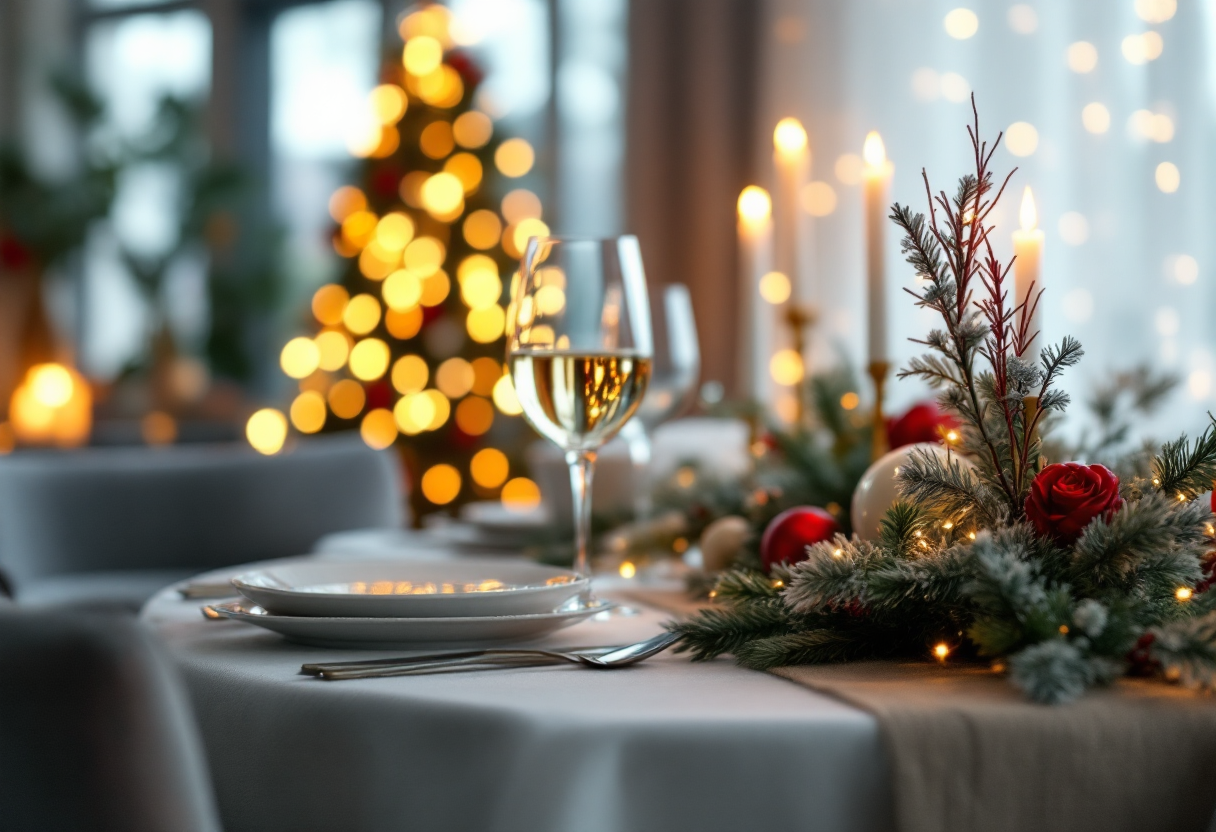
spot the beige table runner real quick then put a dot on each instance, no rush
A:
(969, 754)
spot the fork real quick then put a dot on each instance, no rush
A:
(598, 658)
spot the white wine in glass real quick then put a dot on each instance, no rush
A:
(579, 350)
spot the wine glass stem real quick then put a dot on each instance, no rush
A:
(582, 466)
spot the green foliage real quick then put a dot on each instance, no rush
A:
(1187, 469)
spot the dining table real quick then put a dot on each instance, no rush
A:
(663, 746)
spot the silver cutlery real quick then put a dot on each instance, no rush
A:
(600, 658)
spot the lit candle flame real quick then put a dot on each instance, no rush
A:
(789, 136)
(874, 152)
(941, 650)
(1028, 216)
(755, 206)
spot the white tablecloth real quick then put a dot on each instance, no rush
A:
(666, 746)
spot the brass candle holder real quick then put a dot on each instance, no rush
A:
(879, 444)
(799, 319)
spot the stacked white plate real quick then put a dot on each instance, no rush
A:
(377, 603)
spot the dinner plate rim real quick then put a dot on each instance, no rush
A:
(226, 608)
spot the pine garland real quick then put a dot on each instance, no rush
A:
(959, 567)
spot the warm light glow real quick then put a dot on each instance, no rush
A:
(308, 412)
(526, 230)
(266, 431)
(328, 304)
(422, 55)
(521, 204)
(1140, 49)
(394, 231)
(362, 314)
(850, 400)
(549, 300)
(441, 484)
(52, 405)
(377, 262)
(486, 324)
(874, 151)
(346, 399)
(1184, 593)
(1096, 117)
(454, 378)
(333, 348)
(158, 428)
(403, 325)
(1168, 178)
(467, 168)
(504, 397)
(51, 385)
(424, 256)
(941, 650)
(346, 201)
(754, 205)
(481, 288)
(435, 288)
(436, 140)
(1082, 57)
(482, 229)
(472, 129)
(627, 569)
(775, 287)
(390, 140)
(388, 103)
(441, 408)
(1021, 138)
(818, 199)
(961, 24)
(489, 468)
(520, 494)
(789, 136)
(486, 372)
(474, 416)
(1156, 11)
(300, 357)
(442, 88)
(402, 290)
(369, 359)
(413, 413)
(410, 374)
(442, 194)
(358, 228)
(1028, 216)
(786, 367)
(514, 158)
(378, 429)
(432, 20)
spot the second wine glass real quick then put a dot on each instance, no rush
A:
(579, 349)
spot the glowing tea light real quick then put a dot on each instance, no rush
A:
(941, 650)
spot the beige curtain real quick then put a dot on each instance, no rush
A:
(689, 151)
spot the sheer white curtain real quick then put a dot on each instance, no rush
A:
(1129, 265)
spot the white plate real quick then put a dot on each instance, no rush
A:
(376, 588)
(407, 633)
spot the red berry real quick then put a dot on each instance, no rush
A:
(790, 532)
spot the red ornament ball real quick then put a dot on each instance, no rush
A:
(790, 532)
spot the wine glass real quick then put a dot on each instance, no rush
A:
(676, 368)
(579, 349)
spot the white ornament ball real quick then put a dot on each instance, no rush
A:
(877, 490)
(721, 542)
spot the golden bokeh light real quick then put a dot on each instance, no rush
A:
(521, 494)
(754, 205)
(390, 140)
(329, 303)
(403, 325)
(394, 231)
(1156, 11)
(442, 195)
(472, 129)
(786, 367)
(467, 168)
(410, 189)
(441, 484)
(526, 230)
(961, 24)
(442, 88)
(482, 229)
(342, 248)
(346, 201)
(412, 413)
(850, 400)
(358, 227)
(489, 468)
(52, 405)
(474, 415)
(363, 136)
(266, 431)
(1021, 138)
(158, 428)
(1081, 57)
(486, 372)
(422, 55)
(1168, 177)
(504, 397)
(300, 357)
(432, 20)
(51, 385)
(775, 287)
(454, 378)
(362, 314)
(410, 374)
(333, 348)
(475, 263)
(378, 428)
(789, 136)
(402, 290)
(369, 359)
(486, 324)
(550, 300)
(435, 288)
(308, 412)
(389, 103)
(521, 204)
(346, 399)
(514, 158)
(376, 262)
(480, 288)
(436, 140)
(424, 256)
(1095, 117)
(441, 408)
(818, 199)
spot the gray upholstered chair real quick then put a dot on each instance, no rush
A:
(97, 732)
(113, 525)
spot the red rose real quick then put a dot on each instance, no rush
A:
(922, 423)
(1065, 497)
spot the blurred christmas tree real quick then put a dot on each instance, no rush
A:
(410, 349)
